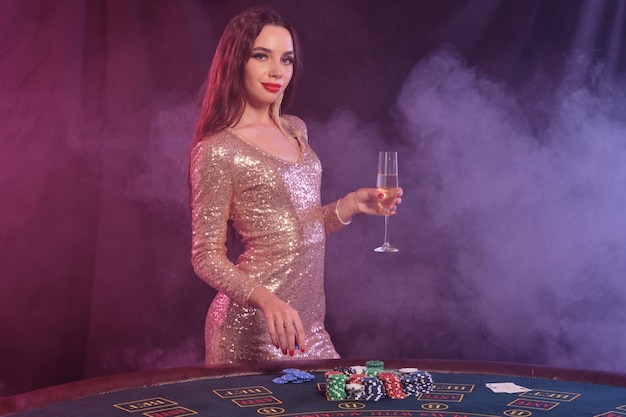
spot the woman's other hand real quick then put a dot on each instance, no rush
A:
(283, 321)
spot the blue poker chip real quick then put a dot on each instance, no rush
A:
(285, 379)
(374, 389)
(294, 376)
(299, 381)
(299, 374)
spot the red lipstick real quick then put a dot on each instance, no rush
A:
(271, 87)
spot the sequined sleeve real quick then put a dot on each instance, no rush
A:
(211, 194)
(331, 220)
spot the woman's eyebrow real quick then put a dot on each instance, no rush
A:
(267, 50)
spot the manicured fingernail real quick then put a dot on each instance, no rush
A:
(276, 344)
(291, 352)
(398, 195)
(284, 351)
(381, 195)
(302, 349)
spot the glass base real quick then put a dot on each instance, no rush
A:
(386, 247)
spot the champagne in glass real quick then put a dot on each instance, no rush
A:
(387, 184)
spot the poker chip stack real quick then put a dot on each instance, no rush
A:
(409, 385)
(357, 369)
(380, 365)
(373, 368)
(409, 382)
(336, 385)
(424, 381)
(356, 379)
(374, 388)
(415, 381)
(407, 371)
(373, 383)
(355, 389)
(393, 385)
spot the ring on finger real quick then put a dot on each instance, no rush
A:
(287, 325)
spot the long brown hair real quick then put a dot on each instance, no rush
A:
(224, 96)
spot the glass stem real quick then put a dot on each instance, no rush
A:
(386, 242)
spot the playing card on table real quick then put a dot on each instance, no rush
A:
(507, 387)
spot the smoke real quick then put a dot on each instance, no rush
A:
(173, 118)
(122, 358)
(511, 229)
(156, 185)
(525, 220)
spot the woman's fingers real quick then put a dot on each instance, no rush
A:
(290, 335)
(271, 328)
(369, 200)
(282, 329)
(283, 322)
(300, 337)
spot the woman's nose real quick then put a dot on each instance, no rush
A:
(277, 70)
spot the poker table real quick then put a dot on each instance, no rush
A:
(249, 390)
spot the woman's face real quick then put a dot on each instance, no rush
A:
(270, 67)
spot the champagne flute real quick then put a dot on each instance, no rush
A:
(387, 184)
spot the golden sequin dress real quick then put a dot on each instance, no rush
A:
(275, 206)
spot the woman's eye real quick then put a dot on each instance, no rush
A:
(288, 60)
(259, 56)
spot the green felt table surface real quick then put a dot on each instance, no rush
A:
(454, 394)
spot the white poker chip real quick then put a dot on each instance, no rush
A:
(357, 369)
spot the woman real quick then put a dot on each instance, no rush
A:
(252, 166)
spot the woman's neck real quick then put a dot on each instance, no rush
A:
(255, 116)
